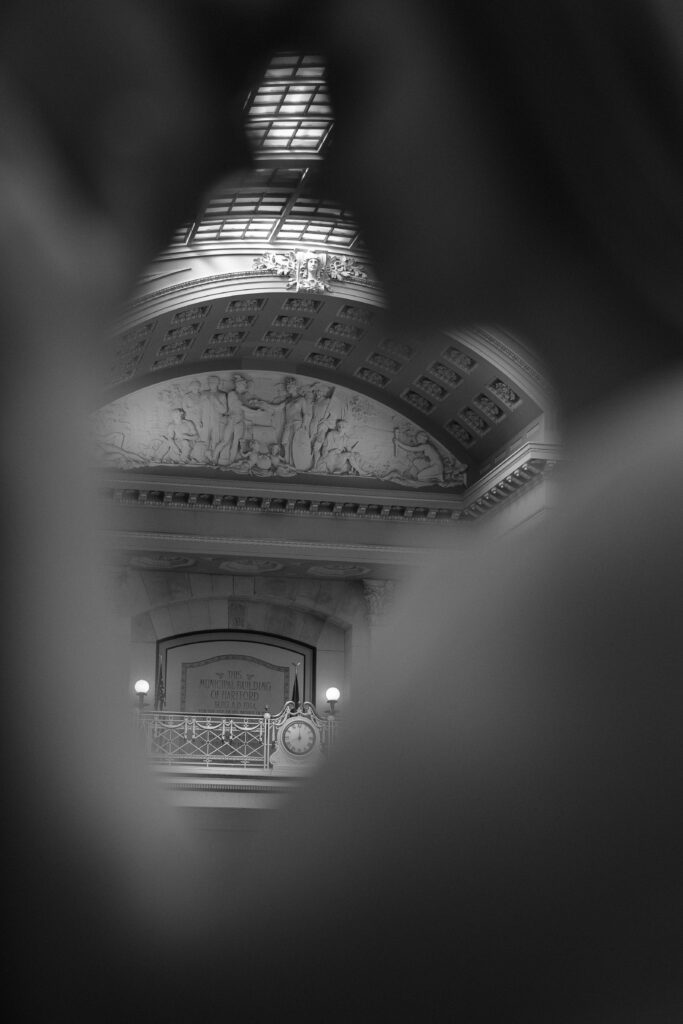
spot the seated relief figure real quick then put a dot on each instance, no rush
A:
(179, 439)
(426, 465)
(497, 837)
(337, 453)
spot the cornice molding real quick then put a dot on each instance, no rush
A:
(529, 452)
(501, 483)
(134, 539)
(240, 282)
(522, 470)
(199, 499)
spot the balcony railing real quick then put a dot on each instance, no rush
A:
(246, 743)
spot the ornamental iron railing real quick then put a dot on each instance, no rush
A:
(244, 742)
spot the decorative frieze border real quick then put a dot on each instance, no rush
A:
(204, 500)
(519, 472)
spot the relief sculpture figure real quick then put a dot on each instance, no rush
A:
(178, 440)
(235, 428)
(193, 406)
(214, 414)
(293, 432)
(337, 453)
(262, 461)
(320, 417)
(427, 463)
(311, 272)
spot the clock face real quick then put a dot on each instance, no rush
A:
(298, 737)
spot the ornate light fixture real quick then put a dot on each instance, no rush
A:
(332, 695)
(141, 688)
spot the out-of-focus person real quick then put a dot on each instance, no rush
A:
(509, 849)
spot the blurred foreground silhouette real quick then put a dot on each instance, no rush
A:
(525, 862)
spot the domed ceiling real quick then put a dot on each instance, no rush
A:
(254, 368)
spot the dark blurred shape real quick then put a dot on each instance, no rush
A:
(493, 137)
(507, 160)
(143, 99)
(514, 162)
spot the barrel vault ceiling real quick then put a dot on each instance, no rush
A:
(231, 294)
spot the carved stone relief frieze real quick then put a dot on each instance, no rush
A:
(264, 424)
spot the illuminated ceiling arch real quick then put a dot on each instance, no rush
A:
(229, 294)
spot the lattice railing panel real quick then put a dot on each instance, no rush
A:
(189, 738)
(215, 740)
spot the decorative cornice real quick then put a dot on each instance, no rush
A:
(182, 499)
(506, 465)
(191, 283)
(517, 471)
(140, 303)
(524, 476)
(202, 499)
(134, 538)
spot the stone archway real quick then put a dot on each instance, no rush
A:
(329, 615)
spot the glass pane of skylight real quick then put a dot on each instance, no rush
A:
(314, 71)
(284, 130)
(294, 109)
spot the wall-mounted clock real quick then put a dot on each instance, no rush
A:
(298, 736)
